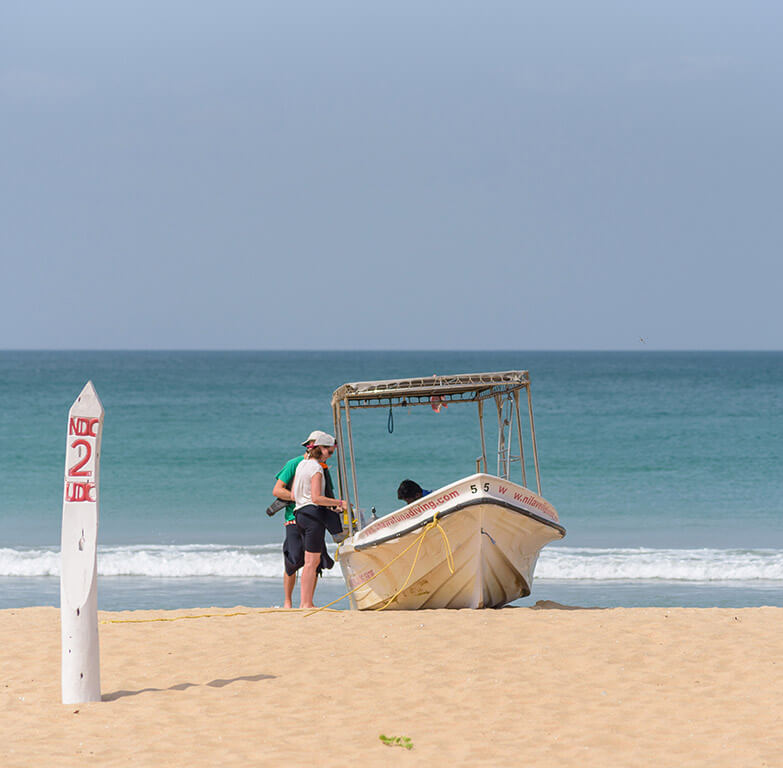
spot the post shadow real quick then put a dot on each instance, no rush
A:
(217, 683)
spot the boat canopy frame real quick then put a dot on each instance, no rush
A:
(503, 387)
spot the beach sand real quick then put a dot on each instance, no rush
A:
(544, 686)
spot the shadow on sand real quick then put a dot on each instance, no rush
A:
(219, 683)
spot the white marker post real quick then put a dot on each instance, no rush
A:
(81, 674)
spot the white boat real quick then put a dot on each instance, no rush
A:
(473, 543)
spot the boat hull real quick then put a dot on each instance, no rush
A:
(474, 545)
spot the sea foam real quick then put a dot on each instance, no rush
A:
(265, 562)
(583, 563)
(156, 561)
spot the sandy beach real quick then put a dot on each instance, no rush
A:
(520, 686)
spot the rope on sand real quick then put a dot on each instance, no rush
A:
(200, 616)
(418, 540)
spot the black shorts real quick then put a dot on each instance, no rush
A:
(312, 528)
(293, 549)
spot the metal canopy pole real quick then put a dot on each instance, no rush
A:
(508, 420)
(353, 462)
(342, 474)
(481, 427)
(533, 435)
(519, 438)
(504, 446)
(501, 434)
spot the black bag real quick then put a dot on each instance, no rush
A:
(276, 506)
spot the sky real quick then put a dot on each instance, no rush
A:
(408, 175)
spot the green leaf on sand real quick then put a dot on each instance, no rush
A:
(396, 741)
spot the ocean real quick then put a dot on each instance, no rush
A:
(665, 468)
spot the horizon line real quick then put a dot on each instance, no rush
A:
(375, 350)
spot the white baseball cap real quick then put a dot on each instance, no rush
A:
(317, 437)
(311, 437)
(325, 439)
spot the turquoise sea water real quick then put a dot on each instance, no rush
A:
(665, 469)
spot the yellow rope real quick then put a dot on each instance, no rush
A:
(418, 540)
(449, 558)
(199, 616)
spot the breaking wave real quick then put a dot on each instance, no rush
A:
(668, 564)
(265, 562)
(157, 561)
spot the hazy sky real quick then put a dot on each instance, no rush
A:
(406, 175)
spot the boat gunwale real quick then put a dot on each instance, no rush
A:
(456, 508)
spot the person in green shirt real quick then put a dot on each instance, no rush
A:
(293, 548)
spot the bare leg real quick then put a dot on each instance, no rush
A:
(289, 582)
(309, 576)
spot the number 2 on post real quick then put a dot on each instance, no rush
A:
(76, 469)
